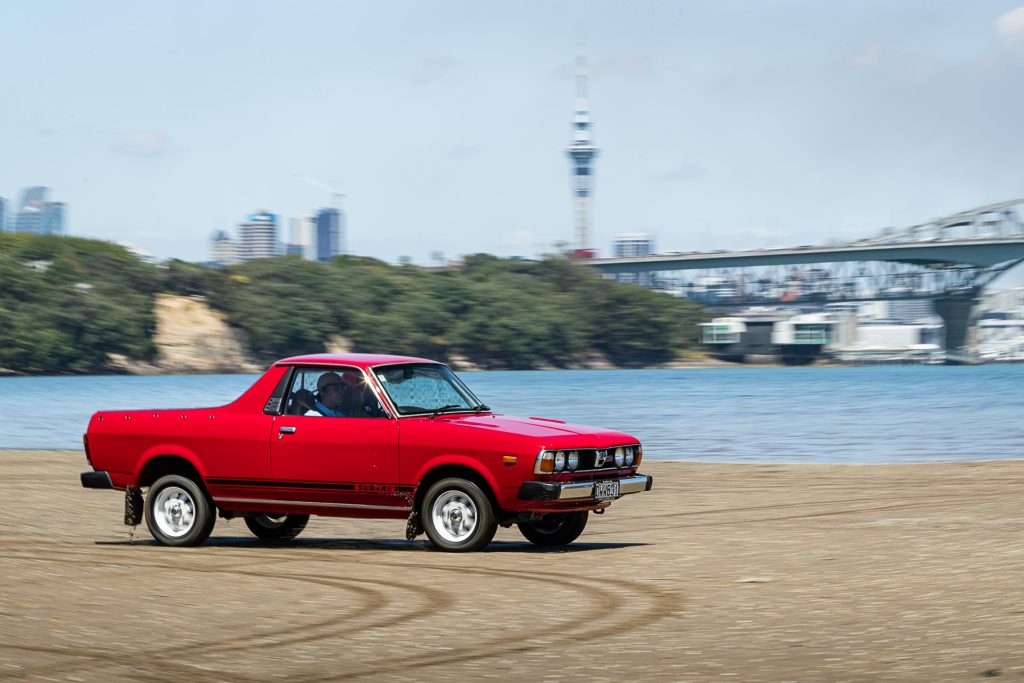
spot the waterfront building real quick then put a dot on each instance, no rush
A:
(3, 214)
(37, 215)
(257, 236)
(303, 237)
(909, 311)
(770, 335)
(223, 250)
(328, 234)
(582, 152)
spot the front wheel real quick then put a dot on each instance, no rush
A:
(561, 528)
(458, 516)
(178, 511)
(276, 527)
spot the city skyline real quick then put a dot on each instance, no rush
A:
(720, 127)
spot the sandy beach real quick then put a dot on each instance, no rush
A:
(722, 572)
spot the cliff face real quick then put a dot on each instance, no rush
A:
(191, 338)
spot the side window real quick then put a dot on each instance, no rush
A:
(331, 392)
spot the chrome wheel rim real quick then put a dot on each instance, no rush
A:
(174, 511)
(454, 515)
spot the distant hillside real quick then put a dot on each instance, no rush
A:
(73, 305)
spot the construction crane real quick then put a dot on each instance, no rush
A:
(336, 197)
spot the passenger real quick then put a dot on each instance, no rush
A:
(331, 390)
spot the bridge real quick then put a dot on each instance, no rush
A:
(949, 261)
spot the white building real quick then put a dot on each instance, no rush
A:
(223, 250)
(257, 236)
(632, 245)
(303, 233)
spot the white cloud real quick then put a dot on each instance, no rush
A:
(143, 144)
(1010, 27)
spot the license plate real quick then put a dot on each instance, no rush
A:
(606, 489)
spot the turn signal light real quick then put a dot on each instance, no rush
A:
(545, 463)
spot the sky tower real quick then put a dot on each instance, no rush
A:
(581, 151)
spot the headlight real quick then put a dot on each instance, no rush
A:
(620, 457)
(629, 456)
(559, 461)
(572, 460)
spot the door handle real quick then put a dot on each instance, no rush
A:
(287, 430)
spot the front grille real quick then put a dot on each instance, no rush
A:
(591, 457)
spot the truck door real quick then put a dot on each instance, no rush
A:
(334, 444)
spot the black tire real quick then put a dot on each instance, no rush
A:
(561, 528)
(280, 527)
(464, 520)
(178, 511)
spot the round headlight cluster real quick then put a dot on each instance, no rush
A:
(557, 461)
(620, 457)
(629, 455)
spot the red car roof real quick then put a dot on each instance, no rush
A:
(360, 360)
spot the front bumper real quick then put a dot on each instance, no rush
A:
(580, 490)
(97, 480)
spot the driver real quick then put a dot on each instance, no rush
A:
(331, 390)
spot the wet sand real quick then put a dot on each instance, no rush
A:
(723, 572)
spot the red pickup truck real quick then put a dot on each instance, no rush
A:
(359, 435)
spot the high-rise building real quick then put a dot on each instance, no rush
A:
(328, 234)
(581, 151)
(303, 240)
(257, 236)
(223, 250)
(632, 245)
(53, 218)
(37, 215)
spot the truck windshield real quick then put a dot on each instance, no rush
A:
(417, 388)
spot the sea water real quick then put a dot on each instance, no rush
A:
(881, 414)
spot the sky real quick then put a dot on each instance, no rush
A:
(721, 125)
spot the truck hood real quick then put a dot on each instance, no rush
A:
(544, 431)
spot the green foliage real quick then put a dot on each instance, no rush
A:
(497, 313)
(65, 303)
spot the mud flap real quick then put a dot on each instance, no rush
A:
(132, 506)
(414, 527)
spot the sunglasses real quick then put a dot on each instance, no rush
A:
(330, 385)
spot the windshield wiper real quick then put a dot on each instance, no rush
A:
(482, 407)
(443, 409)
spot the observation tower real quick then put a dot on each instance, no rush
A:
(581, 151)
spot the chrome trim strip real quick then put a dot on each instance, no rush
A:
(585, 489)
(581, 490)
(309, 503)
(632, 485)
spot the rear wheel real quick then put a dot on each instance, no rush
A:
(458, 516)
(178, 511)
(561, 528)
(276, 527)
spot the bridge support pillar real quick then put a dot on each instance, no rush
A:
(958, 315)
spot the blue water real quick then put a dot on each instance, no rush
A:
(858, 414)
